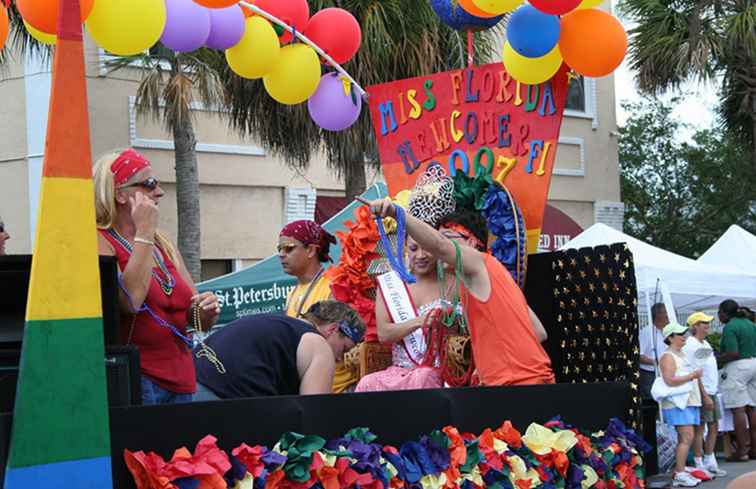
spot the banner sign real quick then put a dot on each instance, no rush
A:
(466, 118)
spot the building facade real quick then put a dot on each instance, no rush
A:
(247, 194)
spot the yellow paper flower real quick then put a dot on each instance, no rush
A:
(473, 476)
(247, 483)
(518, 467)
(535, 479)
(591, 477)
(431, 481)
(500, 446)
(542, 440)
(328, 459)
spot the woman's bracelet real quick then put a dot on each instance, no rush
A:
(144, 241)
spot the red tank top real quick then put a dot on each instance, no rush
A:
(505, 348)
(163, 357)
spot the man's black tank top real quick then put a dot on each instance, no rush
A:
(259, 354)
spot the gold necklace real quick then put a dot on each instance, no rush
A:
(205, 351)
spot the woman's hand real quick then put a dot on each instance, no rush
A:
(209, 308)
(696, 374)
(145, 214)
(708, 402)
(380, 207)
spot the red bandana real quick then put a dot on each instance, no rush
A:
(127, 165)
(464, 232)
(307, 233)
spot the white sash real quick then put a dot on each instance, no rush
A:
(399, 304)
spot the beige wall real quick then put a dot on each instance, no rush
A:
(242, 194)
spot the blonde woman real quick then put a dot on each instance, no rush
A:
(157, 295)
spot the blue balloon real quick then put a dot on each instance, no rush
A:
(531, 32)
(453, 15)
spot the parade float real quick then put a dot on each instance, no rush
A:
(492, 129)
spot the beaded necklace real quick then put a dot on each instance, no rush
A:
(167, 282)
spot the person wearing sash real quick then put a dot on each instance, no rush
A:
(396, 301)
(273, 355)
(506, 338)
(157, 296)
(303, 248)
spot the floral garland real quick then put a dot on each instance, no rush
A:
(550, 456)
(503, 218)
(350, 281)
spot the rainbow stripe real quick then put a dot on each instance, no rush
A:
(61, 434)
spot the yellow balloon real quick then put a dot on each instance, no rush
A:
(40, 36)
(531, 71)
(126, 27)
(498, 7)
(590, 4)
(296, 75)
(257, 52)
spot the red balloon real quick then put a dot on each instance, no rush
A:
(3, 26)
(216, 3)
(555, 7)
(295, 13)
(336, 32)
(43, 14)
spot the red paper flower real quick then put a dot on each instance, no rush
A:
(251, 458)
(509, 434)
(146, 469)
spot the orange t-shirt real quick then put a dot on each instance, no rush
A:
(505, 348)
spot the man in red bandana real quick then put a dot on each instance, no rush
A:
(303, 247)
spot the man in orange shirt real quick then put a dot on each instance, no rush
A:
(506, 335)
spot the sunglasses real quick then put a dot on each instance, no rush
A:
(149, 184)
(287, 248)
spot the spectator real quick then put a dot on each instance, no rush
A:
(651, 346)
(4, 236)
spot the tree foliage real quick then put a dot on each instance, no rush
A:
(681, 195)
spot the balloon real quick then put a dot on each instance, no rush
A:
(330, 107)
(43, 14)
(258, 50)
(295, 13)
(336, 32)
(226, 27)
(40, 36)
(3, 26)
(589, 3)
(296, 75)
(128, 27)
(453, 15)
(473, 9)
(187, 25)
(555, 7)
(497, 7)
(592, 42)
(532, 33)
(531, 70)
(216, 3)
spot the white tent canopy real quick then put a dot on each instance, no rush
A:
(735, 250)
(693, 285)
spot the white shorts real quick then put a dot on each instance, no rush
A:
(738, 386)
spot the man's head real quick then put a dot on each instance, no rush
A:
(4, 236)
(339, 324)
(302, 246)
(659, 315)
(728, 309)
(465, 227)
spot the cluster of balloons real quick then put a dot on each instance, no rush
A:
(545, 33)
(291, 72)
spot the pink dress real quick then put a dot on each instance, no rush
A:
(403, 374)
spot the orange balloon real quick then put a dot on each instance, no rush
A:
(592, 42)
(472, 9)
(217, 3)
(3, 26)
(43, 14)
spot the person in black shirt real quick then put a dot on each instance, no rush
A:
(271, 355)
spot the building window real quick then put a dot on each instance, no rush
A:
(576, 95)
(215, 268)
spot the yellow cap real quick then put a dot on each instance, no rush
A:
(699, 317)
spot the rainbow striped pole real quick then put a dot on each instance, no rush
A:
(61, 434)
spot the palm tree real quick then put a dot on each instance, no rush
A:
(400, 39)
(172, 83)
(679, 40)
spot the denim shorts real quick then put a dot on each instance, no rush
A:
(690, 416)
(154, 394)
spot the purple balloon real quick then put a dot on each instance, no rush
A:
(330, 107)
(226, 27)
(187, 25)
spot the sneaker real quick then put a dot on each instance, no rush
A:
(684, 479)
(699, 473)
(714, 470)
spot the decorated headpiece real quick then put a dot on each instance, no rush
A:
(308, 233)
(433, 196)
(126, 165)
